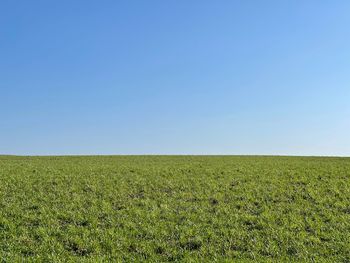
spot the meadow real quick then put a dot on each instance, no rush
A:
(174, 208)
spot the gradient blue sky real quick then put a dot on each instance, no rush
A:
(175, 77)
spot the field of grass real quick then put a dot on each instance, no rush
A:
(174, 208)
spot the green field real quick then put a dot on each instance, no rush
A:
(174, 208)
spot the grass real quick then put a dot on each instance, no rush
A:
(174, 208)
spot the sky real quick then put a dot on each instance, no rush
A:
(175, 77)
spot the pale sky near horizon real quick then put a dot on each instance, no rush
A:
(175, 77)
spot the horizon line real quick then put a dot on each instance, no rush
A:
(157, 154)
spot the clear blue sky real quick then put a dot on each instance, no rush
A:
(175, 77)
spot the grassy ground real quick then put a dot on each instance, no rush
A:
(174, 208)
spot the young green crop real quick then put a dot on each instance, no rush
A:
(174, 208)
